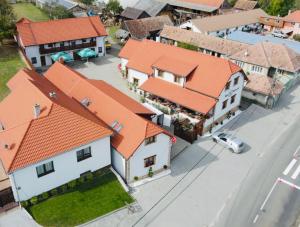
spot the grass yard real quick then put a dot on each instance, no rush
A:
(87, 202)
(10, 63)
(29, 11)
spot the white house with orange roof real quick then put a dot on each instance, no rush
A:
(40, 41)
(50, 139)
(185, 84)
(65, 126)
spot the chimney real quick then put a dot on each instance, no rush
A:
(246, 54)
(52, 94)
(37, 110)
(2, 128)
(6, 147)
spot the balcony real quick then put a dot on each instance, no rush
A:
(66, 48)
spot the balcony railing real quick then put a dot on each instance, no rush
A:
(65, 48)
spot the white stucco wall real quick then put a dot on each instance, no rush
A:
(100, 41)
(161, 148)
(33, 51)
(169, 77)
(118, 162)
(66, 169)
(123, 63)
(142, 77)
(226, 95)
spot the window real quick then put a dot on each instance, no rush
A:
(135, 81)
(239, 63)
(45, 169)
(100, 49)
(33, 60)
(84, 40)
(176, 79)
(280, 71)
(227, 85)
(50, 45)
(236, 81)
(73, 43)
(149, 161)
(150, 140)
(232, 100)
(256, 68)
(224, 105)
(84, 154)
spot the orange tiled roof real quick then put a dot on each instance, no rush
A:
(209, 77)
(36, 33)
(293, 17)
(107, 107)
(215, 3)
(179, 95)
(63, 124)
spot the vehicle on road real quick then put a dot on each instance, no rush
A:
(279, 34)
(107, 45)
(234, 144)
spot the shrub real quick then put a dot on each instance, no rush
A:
(136, 178)
(150, 173)
(72, 184)
(25, 204)
(64, 188)
(142, 99)
(297, 37)
(43, 196)
(81, 180)
(89, 176)
(34, 200)
(54, 192)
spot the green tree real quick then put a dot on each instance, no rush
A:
(114, 7)
(57, 12)
(87, 2)
(277, 7)
(7, 21)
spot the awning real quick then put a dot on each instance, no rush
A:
(87, 53)
(65, 56)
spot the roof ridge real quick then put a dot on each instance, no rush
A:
(267, 56)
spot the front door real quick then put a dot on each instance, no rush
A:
(43, 60)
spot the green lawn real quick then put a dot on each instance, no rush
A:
(112, 31)
(89, 201)
(29, 11)
(10, 63)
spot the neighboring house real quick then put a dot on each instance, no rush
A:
(289, 24)
(206, 44)
(50, 139)
(263, 90)
(40, 41)
(152, 7)
(148, 28)
(250, 38)
(130, 13)
(222, 25)
(137, 143)
(268, 59)
(204, 89)
(245, 5)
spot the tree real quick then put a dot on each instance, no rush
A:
(87, 2)
(7, 21)
(114, 7)
(277, 7)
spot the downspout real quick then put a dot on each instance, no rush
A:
(17, 191)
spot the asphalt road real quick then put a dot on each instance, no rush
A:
(270, 195)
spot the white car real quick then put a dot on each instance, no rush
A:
(279, 34)
(234, 144)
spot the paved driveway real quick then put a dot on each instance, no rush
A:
(105, 68)
(16, 218)
(205, 177)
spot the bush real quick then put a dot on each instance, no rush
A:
(89, 176)
(43, 196)
(54, 192)
(81, 180)
(297, 37)
(64, 188)
(34, 200)
(142, 99)
(136, 178)
(72, 184)
(150, 173)
(25, 204)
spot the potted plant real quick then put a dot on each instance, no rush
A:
(150, 173)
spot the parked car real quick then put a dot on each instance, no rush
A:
(234, 144)
(279, 34)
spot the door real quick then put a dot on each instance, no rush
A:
(6, 197)
(43, 60)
